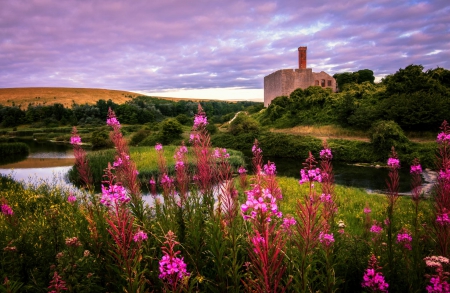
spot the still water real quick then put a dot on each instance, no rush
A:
(51, 161)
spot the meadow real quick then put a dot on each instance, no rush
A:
(214, 228)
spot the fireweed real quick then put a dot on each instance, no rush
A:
(373, 279)
(310, 221)
(126, 246)
(266, 238)
(442, 197)
(126, 170)
(439, 278)
(81, 162)
(328, 195)
(172, 269)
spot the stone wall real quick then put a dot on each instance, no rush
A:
(283, 82)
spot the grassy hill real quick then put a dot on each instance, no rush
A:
(65, 96)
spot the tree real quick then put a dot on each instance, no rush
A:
(171, 130)
(243, 123)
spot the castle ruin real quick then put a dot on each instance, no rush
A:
(284, 81)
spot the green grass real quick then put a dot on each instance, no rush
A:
(351, 202)
(146, 159)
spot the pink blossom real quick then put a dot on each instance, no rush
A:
(376, 229)
(152, 182)
(260, 202)
(115, 194)
(326, 198)
(179, 165)
(442, 219)
(326, 239)
(444, 175)
(71, 198)
(140, 236)
(75, 140)
(200, 120)
(375, 281)
(220, 153)
(443, 138)
(242, 170)
(367, 210)
(288, 222)
(118, 162)
(393, 163)
(326, 154)
(416, 169)
(6, 210)
(310, 175)
(438, 286)
(256, 149)
(158, 147)
(113, 122)
(270, 169)
(172, 266)
(405, 239)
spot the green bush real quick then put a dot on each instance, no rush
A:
(100, 138)
(139, 136)
(14, 148)
(243, 123)
(387, 134)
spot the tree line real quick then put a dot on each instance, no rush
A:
(139, 110)
(413, 98)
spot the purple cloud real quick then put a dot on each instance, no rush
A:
(158, 45)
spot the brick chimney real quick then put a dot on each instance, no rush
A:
(302, 57)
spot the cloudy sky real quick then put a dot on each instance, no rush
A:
(211, 48)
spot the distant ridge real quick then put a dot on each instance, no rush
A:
(65, 96)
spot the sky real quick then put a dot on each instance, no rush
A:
(209, 48)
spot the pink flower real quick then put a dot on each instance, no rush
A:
(405, 239)
(326, 239)
(270, 169)
(75, 140)
(442, 219)
(367, 210)
(375, 281)
(115, 194)
(443, 138)
(158, 147)
(416, 169)
(172, 266)
(288, 222)
(310, 175)
(6, 210)
(326, 154)
(260, 202)
(113, 122)
(326, 198)
(118, 162)
(242, 170)
(71, 198)
(200, 120)
(220, 153)
(140, 236)
(152, 182)
(393, 163)
(376, 229)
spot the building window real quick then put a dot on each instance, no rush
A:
(323, 82)
(329, 82)
(317, 82)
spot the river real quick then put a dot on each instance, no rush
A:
(51, 161)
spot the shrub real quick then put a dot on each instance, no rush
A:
(14, 148)
(386, 134)
(243, 123)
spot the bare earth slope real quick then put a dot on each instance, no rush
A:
(65, 96)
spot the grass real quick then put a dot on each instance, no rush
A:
(351, 202)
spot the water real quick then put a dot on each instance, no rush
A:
(370, 178)
(48, 160)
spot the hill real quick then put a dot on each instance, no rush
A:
(65, 96)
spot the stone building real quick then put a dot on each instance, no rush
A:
(284, 81)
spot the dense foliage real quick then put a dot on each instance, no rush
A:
(413, 98)
(139, 110)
